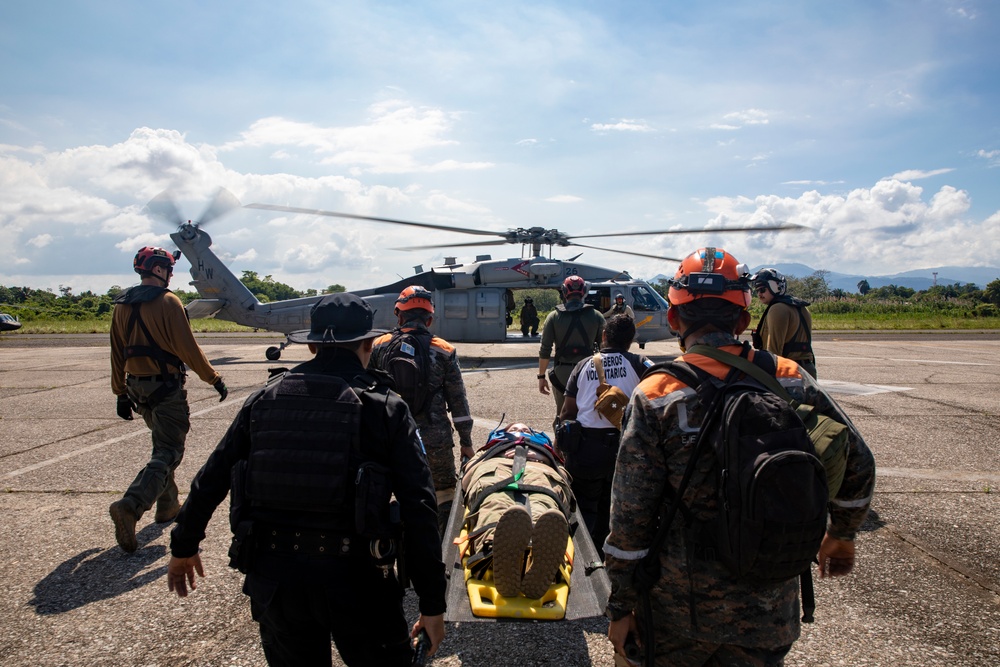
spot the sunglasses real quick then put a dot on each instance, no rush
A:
(761, 290)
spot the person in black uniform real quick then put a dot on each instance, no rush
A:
(312, 459)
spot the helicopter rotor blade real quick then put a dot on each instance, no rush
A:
(454, 245)
(625, 252)
(354, 216)
(163, 208)
(222, 202)
(787, 226)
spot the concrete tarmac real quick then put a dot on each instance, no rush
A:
(926, 589)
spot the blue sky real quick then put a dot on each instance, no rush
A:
(873, 123)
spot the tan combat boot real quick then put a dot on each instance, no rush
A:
(124, 519)
(548, 550)
(510, 541)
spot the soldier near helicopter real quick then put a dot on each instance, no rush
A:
(529, 317)
(574, 328)
(151, 341)
(619, 307)
(785, 328)
(428, 376)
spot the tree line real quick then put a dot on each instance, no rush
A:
(41, 304)
(814, 288)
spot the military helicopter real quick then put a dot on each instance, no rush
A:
(9, 322)
(472, 300)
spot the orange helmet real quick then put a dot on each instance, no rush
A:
(710, 273)
(413, 297)
(149, 256)
(574, 285)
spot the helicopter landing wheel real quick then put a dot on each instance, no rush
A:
(273, 353)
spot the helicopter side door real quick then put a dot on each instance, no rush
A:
(474, 315)
(599, 296)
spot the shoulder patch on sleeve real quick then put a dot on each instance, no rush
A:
(658, 385)
(441, 343)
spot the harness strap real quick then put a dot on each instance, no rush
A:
(153, 350)
(793, 346)
(577, 323)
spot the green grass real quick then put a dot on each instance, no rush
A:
(96, 325)
(827, 316)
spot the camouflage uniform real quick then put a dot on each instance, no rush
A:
(446, 393)
(555, 330)
(697, 600)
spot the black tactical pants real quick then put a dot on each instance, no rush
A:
(592, 466)
(301, 603)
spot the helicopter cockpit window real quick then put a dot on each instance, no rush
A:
(642, 299)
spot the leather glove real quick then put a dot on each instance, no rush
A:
(125, 407)
(221, 387)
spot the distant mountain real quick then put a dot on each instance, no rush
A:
(918, 279)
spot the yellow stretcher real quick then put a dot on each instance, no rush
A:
(486, 602)
(580, 590)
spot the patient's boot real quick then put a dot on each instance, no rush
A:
(548, 549)
(510, 541)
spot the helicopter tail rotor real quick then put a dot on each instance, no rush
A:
(164, 208)
(222, 202)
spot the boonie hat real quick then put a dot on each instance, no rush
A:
(338, 318)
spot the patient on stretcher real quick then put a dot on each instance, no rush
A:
(519, 500)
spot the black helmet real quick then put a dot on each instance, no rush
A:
(528, 299)
(772, 279)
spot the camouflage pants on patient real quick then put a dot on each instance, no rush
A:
(489, 472)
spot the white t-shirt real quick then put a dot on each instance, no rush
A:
(621, 369)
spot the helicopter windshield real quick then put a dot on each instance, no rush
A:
(644, 299)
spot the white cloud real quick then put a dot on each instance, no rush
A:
(623, 125)
(737, 120)
(918, 174)
(393, 140)
(806, 182)
(992, 157)
(887, 228)
(564, 199)
(40, 241)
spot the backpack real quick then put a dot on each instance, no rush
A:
(573, 353)
(773, 489)
(408, 359)
(611, 400)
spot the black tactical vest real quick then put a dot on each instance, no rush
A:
(305, 447)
